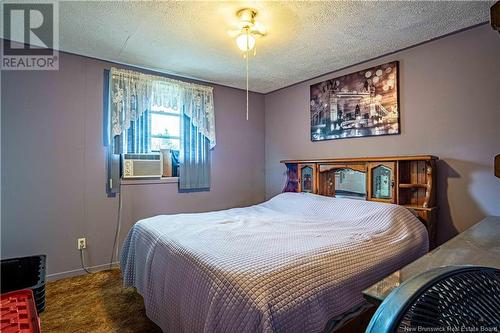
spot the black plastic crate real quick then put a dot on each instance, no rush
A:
(25, 273)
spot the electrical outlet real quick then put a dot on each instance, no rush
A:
(81, 243)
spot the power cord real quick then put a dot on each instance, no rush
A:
(115, 251)
(116, 248)
(82, 261)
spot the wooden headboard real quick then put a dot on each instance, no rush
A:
(409, 181)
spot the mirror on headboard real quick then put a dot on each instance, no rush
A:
(343, 180)
(350, 183)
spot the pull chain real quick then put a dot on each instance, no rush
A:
(247, 83)
(248, 46)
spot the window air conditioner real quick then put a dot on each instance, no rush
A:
(142, 165)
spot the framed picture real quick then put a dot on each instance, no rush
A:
(364, 103)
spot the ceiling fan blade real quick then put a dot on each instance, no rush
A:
(259, 28)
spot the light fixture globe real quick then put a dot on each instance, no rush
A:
(245, 42)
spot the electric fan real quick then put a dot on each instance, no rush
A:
(446, 299)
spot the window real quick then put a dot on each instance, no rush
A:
(155, 130)
(139, 119)
(165, 128)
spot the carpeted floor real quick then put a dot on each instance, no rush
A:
(94, 303)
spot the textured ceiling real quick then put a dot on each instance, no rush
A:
(305, 39)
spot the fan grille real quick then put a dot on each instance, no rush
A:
(465, 299)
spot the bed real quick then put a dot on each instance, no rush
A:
(290, 264)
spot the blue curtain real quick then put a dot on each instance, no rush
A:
(194, 159)
(136, 139)
(139, 134)
(112, 159)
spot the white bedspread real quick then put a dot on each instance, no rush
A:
(286, 265)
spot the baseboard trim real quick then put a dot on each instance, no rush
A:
(81, 271)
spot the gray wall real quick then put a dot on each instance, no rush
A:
(450, 107)
(53, 165)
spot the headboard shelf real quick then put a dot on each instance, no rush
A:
(366, 159)
(408, 181)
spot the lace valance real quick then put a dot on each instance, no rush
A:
(132, 93)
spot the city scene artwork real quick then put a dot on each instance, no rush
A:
(360, 104)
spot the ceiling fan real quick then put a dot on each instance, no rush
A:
(246, 34)
(248, 29)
